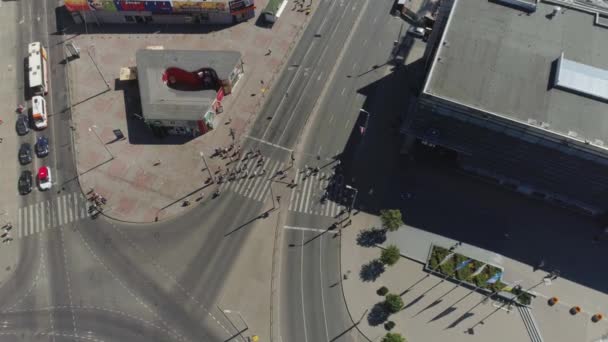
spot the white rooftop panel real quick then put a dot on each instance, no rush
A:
(582, 78)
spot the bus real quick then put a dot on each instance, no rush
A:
(37, 69)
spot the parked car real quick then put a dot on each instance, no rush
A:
(25, 154)
(42, 146)
(39, 112)
(23, 124)
(416, 31)
(25, 182)
(44, 178)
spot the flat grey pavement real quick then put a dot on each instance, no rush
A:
(145, 178)
(435, 309)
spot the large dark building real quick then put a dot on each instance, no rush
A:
(519, 90)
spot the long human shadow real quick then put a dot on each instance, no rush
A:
(437, 301)
(414, 284)
(263, 215)
(450, 309)
(419, 298)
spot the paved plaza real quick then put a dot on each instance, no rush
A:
(145, 178)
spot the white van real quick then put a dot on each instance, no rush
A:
(39, 112)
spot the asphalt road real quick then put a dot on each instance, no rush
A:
(104, 280)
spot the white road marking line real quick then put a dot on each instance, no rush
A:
(343, 90)
(68, 204)
(248, 181)
(355, 66)
(322, 286)
(42, 217)
(302, 285)
(64, 207)
(316, 230)
(240, 181)
(304, 192)
(75, 206)
(268, 184)
(19, 222)
(293, 192)
(309, 196)
(259, 179)
(268, 143)
(31, 216)
(83, 207)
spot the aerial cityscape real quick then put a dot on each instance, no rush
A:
(304, 170)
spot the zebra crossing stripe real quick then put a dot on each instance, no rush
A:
(241, 181)
(30, 210)
(259, 184)
(268, 183)
(308, 193)
(254, 182)
(293, 192)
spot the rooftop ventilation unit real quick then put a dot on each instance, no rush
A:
(581, 79)
(528, 6)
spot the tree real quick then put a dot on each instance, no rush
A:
(393, 337)
(391, 219)
(393, 302)
(390, 255)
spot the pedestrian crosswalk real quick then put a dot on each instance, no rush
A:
(251, 179)
(314, 194)
(51, 213)
(309, 194)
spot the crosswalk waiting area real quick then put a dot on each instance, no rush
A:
(252, 179)
(307, 196)
(53, 213)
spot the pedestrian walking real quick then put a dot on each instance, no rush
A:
(268, 53)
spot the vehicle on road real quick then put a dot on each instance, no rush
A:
(39, 112)
(25, 182)
(42, 146)
(23, 124)
(37, 62)
(416, 31)
(25, 154)
(44, 178)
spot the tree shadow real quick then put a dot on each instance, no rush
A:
(372, 270)
(378, 314)
(371, 237)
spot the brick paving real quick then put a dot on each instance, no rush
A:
(144, 178)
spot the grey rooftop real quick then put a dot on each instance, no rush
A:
(159, 102)
(503, 61)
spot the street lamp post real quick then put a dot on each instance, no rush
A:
(202, 154)
(352, 204)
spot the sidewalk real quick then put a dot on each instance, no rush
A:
(9, 97)
(146, 182)
(427, 293)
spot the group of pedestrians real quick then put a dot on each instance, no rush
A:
(97, 202)
(6, 233)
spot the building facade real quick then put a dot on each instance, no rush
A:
(493, 96)
(181, 91)
(161, 11)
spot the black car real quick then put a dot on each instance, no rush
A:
(25, 154)
(23, 124)
(42, 146)
(25, 182)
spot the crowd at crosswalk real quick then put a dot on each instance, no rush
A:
(311, 192)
